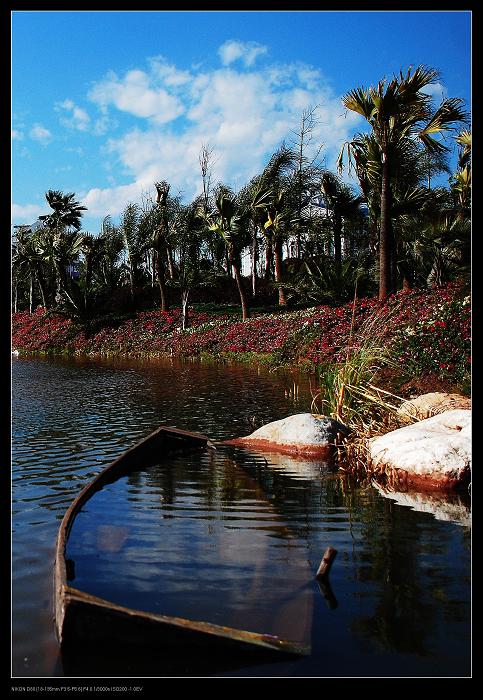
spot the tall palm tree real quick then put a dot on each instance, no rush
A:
(398, 111)
(278, 216)
(162, 217)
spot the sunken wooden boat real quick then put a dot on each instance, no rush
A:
(84, 618)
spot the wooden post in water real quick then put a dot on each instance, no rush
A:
(326, 563)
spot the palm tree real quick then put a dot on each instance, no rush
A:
(269, 209)
(160, 240)
(67, 212)
(343, 205)
(432, 164)
(26, 265)
(399, 111)
(461, 181)
(60, 242)
(434, 240)
(188, 231)
(112, 246)
(129, 229)
(278, 216)
(232, 225)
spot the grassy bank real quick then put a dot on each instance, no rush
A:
(426, 334)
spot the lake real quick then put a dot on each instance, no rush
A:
(231, 538)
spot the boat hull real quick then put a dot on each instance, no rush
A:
(82, 617)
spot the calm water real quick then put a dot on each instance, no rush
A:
(227, 536)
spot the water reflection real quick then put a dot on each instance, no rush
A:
(412, 574)
(195, 537)
(451, 507)
(401, 577)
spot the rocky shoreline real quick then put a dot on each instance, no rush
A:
(431, 454)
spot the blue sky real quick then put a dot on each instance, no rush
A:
(106, 103)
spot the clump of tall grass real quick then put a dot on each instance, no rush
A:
(346, 390)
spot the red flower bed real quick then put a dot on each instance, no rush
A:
(429, 331)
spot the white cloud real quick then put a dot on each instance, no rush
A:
(77, 117)
(17, 135)
(243, 115)
(111, 200)
(41, 134)
(247, 52)
(167, 73)
(26, 213)
(437, 90)
(133, 95)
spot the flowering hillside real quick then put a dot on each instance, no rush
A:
(428, 331)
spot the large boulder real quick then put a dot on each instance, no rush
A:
(432, 454)
(302, 434)
(431, 404)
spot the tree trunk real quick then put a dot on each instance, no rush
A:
(169, 252)
(298, 245)
(131, 278)
(268, 258)
(337, 239)
(241, 291)
(31, 293)
(393, 256)
(160, 278)
(278, 270)
(153, 269)
(184, 309)
(436, 275)
(228, 263)
(385, 235)
(41, 289)
(254, 263)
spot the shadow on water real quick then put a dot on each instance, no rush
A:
(131, 661)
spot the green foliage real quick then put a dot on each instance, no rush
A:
(316, 253)
(401, 115)
(329, 283)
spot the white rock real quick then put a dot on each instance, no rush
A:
(302, 433)
(428, 405)
(433, 453)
